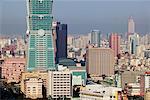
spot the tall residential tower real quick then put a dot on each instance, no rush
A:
(39, 24)
(114, 43)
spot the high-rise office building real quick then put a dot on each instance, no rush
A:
(100, 61)
(95, 38)
(131, 25)
(61, 41)
(114, 43)
(133, 42)
(40, 48)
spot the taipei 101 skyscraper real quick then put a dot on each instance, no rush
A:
(40, 46)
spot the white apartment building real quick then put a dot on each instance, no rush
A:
(134, 89)
(99, 92)
(147, 80)
(59, 84)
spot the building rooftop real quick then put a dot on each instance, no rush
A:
(67, 62)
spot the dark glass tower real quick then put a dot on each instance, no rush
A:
(61, 41)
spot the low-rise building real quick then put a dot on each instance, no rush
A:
(130, 77)
(79, 77)
(33, 88)
(39, 75)
(100, 92)
(134, 89)
(12, 69)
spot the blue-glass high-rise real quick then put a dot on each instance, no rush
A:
(133, 43)
(39, 24)
(96, 37)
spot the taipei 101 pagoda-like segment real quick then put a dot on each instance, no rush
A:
(40, 46)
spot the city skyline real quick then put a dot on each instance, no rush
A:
(92, 15)
(47, 63)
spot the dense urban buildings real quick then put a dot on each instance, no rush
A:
(39, 22)
(80, 41)
(50, 64)
(134, 77)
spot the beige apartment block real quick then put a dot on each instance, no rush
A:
(43, 75)
(33, 88)
(100, 61)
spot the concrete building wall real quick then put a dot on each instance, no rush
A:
(59, 84)
(12, 69)
(28, 75)
(147, 95)
(79, 77)
(33, 88)
(147, 81)
(130, 77)
(99, 92)
(142, 84)
(114, 43)
(100, 61)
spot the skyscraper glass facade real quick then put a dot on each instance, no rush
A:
(133, 43)
(96, 37)
(61, 41)
(40, 47)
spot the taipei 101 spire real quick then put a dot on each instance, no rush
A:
(39, 26)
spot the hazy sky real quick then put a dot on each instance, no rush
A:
(81, 15)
